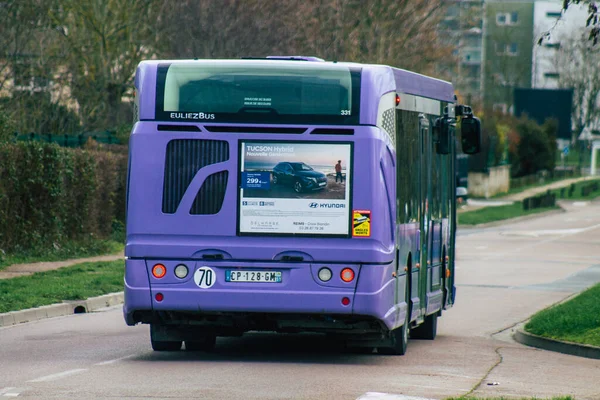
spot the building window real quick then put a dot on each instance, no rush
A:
(511, 49)
(551, 75)
(501, 19)
(553, 14)
(514, 18)
(552, 45)
(507, 18)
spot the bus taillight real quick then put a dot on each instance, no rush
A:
(347, 275)
(159, 271)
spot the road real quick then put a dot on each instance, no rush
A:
(504, 275)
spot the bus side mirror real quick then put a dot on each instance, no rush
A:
(442, 127)
(470, 135)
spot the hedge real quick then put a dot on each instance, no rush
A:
(50, 195)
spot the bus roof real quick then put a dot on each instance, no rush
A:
(406, 81)
(376, 80)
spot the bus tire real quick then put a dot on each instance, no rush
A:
(399, 342)
(206, 344)
(165, 346)
(162, 345)
(427, 330)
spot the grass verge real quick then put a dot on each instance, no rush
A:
(497, 213)
(576, 321)
(77, 282)
(68, 251)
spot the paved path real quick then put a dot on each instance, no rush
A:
(504, 274)
(28, 269)
(541, 189)
(476, 204)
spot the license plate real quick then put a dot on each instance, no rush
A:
(322, 183)
(253, 276)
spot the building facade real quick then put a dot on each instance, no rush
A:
(508, 47)
(462, 28)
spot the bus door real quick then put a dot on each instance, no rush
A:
(425, 203)
(450, 252)
(437, 212)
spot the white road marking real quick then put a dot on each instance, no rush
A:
(561, 233)
(6, 390)
(388, 396)
(59, 375)
(115, 360)
(11, 394)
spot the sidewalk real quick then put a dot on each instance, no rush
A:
(541, 189)
(476, 204)
(29, 269)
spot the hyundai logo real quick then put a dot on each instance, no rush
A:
(314, 205)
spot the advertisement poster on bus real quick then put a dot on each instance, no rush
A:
(295, 188)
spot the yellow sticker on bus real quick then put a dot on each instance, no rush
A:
(361, 224)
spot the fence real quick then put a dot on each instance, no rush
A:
(106, 137)
(588, 189)
(547, 199)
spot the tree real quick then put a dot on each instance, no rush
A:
(24, 41)
(101, 43)
(537, 146)
(402, 33)
(227, 28)
(592, 20)
(577, 64)
(7, 126)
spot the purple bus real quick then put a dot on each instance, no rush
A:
(291, 194)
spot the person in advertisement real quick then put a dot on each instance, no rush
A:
(338, 171)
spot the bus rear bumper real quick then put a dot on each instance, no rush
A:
(147, 301)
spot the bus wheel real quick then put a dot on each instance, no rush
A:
(427, 330)
(162, 345)
(165, 346)
(206, 344)
(399, 342)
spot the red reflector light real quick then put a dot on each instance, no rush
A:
(159, 297)
(397, 100)
(345, 301)
(159, 271)
(347, 275)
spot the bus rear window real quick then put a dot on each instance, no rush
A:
(258, 92)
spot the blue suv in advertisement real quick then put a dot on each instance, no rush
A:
(299, 176)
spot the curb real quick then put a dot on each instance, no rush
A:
(513, 220)
(61, 309)
(574, 349)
